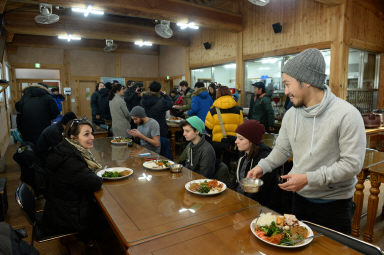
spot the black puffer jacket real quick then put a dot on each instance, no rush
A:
(156, 104)
(95, 98)
(69, 201)
(105, 113)
(49, 138)
(131, 98)
(36, 109)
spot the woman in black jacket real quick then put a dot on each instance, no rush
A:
(70, 206)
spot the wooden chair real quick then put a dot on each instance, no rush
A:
(26, 200)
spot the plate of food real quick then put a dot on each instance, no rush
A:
(121, 140)
(174, 119)
(158, 164)
(115, 173)
(205, 187)
(281, 231)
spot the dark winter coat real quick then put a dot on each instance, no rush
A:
(261, 110)
(200, 104)
(105, 113)
(156, 104)
(131, 98)
(95, 98)
(58, 99)
(69, 200)
(200, 158)
(36, 109)
(49, 138)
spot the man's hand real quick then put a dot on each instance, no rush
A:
(98, 116)
(176, 107)
(295, 182)
(255, 172)
(135, 133)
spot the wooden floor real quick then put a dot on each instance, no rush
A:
(110, 244)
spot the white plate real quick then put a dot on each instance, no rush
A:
(121, 143)
(305, 242)
(114, 169)
(175, 121)
(205, 194)
(151, 165)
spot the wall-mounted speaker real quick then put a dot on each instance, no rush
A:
(277, 27)
(207, 45)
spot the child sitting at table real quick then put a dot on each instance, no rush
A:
(198, 155)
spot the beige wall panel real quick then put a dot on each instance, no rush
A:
(366, 26)
(171, 61)
(45, 56)
(223, 48)
(91, 63)
(304, 22)
(134, 65)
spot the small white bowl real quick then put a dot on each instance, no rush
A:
(250, 185)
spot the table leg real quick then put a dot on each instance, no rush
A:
(372, 206)
(358, 198)
(173, 143)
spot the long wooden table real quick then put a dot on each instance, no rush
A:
(149, 204)
(372, 158)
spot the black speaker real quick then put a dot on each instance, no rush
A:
(277, 27)
(207, 45)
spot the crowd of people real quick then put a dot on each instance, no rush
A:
(323, 134)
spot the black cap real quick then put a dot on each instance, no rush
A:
(259, 85)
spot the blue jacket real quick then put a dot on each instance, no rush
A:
(58, 99)
(200, 104)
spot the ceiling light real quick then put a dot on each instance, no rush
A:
(191, 25)
(69, 37)
(88, 10)
(143, 43)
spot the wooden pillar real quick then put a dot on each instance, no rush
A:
(380, 98)
(187, 70)
(339, 52)
(118, 66)
(240, 67)
(65, 76)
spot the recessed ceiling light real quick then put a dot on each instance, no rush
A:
(191, 25)
(88, 10)
(69, 37)
(143, 43)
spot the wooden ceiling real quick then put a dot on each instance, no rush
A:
(124, 21)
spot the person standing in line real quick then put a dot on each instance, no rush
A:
(119, 111)
(201, 102)
(187, 97)
(325, 135)
(95, 105)
(260, 107)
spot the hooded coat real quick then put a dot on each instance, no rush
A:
(232, 116)
(156, 104)
(260, 108)
(120, 116)
(69, 200)
(327, 142)
(95, 106)
(201, 103)
(131, 98)
(105, 112)
(187, 100)
(36, 109)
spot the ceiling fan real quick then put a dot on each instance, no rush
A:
(46, 16)
(109, 46)
(259, 2)
(163, 29)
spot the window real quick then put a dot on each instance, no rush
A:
(223, 74)
(363, 79)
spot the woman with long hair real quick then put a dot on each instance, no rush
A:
(119, 111)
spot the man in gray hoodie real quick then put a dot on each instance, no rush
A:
(325, 135)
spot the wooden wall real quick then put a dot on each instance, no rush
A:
(4, 120)
(171, 61)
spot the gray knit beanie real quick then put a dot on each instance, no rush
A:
(308, 66)
(138, 111)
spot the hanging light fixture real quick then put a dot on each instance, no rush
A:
(69, 37)
(190, 25)
(143, 43)
(88, 10)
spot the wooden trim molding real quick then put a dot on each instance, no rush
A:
(368, 46)
(214, 63)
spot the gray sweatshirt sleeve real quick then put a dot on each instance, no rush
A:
(352, 143)
(281, 151)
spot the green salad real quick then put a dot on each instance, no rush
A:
(111, 174)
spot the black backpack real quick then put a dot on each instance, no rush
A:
(32, 171)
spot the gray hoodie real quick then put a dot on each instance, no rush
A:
(327, 142)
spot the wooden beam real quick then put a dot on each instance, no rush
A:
(380, 99)
(2, 5)
(331, 2)
(240, 67)
(172, 10)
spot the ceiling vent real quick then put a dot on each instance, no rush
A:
(110, 46)
(163, 29)
(259, 2)
(46, 16)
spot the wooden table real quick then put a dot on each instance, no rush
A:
(372, 132)
(230, 235)
(376, 178)
(150, 204)
(372, 158)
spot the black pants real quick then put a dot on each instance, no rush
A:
(336, 215)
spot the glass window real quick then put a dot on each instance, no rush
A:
(363, 79)
(201, 74)
(223, 74)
